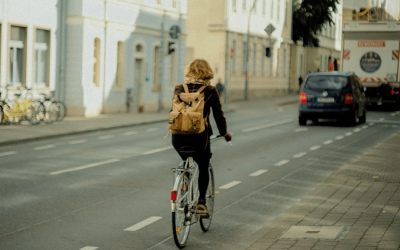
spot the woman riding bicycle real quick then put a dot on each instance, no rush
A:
(199, 74)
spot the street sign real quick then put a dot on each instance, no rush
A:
(391, 77)
(269, 29)
(174, 32)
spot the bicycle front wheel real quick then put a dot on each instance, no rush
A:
(180, 219)
(206, 223)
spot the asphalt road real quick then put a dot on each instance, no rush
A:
(83, 192)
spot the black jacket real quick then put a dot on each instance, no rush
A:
(212, 100)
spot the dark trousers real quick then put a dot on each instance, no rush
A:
(202, 157)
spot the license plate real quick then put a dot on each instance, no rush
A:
(326, 99)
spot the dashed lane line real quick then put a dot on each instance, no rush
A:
(267, 125)
(364, 127)
(84, 167)
(281, 163)
(299, 155)
(8, 153)
(386, 121)
(339, 137)
(259, 172)
(157, 150)
(105, 137)
(348, 133)
(144, 223)
(44, 147)
(300, 129)
(130, 133)
(315, 147)
(357, 130)
(230, 184)
(89, 248)
(77, 141)
(327, 142)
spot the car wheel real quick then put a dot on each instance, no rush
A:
(314, 120)
(363, 118)
(302, 121)
(353, 120)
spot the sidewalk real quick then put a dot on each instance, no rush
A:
(357, 207)
(10, 134)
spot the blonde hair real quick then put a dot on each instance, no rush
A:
(200, 69)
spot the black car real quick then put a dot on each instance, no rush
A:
(332, 95)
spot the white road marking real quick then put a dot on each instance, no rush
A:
(381, 119)
(84, 167)
(315, 147)
(130, 133)
(44, 147)
(357, 130)
(77, 141)
(386, 121)
(365, 126)
(348, 133)
(339, 137)
(144, 223)
(393, 114)
(230, 184)
(259, 172)
(299, 155)
(151, 129)
(280, 109)
(89, 248)
(372, 124)
(8, 153)
(157, 150)
(267, 125)
(281, 163)
(105, 137)
(327, 142)
(300, 129)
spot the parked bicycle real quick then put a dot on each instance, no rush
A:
(185, 195)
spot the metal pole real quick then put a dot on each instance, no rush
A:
(227, 62)
(246, 84)
(271, 50)
(161, 62)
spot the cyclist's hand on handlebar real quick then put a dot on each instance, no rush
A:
(228, 137)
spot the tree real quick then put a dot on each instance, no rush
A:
(309, 17)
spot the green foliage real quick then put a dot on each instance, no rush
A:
(309, 18)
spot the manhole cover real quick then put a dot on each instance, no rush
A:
(313, 232)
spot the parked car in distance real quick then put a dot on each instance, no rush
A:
(332, 95)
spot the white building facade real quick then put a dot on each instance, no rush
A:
(93, 52)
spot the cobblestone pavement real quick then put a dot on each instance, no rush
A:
(362, 197)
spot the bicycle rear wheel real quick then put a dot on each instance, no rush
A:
(206, 223)
(180, 222)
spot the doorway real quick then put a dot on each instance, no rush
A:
(138, 78)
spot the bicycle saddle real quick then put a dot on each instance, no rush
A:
(187, 151)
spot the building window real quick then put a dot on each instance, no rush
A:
(244, 57)
(255, 58)
(17, 56)
(158, 1)
(277, 61)
(284, 62)
(0, 51)
(156, 66)
(301, 64)
(244, 3)
(42, 48)
(263, 6)
(234, 56)
(286, 13)
(173, 72)
(119, 77)
(255, 6)
(96, 62)
(272, 10)
(234, 5)
(279, 10)
(174, 3)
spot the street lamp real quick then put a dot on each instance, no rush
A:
(246, 85)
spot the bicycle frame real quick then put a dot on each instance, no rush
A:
(188, 167)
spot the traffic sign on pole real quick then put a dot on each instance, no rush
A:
(269, 29)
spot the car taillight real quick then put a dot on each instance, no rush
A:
(393, 92)
(348, 99)
(173, 195)
(303, 97)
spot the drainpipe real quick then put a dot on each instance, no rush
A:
(161, 68)
(246, 86)
(60, 94)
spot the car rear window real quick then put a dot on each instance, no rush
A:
(327, 82)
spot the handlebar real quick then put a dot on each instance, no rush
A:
(218, 137)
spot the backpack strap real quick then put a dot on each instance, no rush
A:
(186, 88)
(201, 89)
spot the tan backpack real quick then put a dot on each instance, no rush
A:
(186, 117)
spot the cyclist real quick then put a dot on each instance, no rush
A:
(198, 74)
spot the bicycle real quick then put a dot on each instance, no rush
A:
(185, 195)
